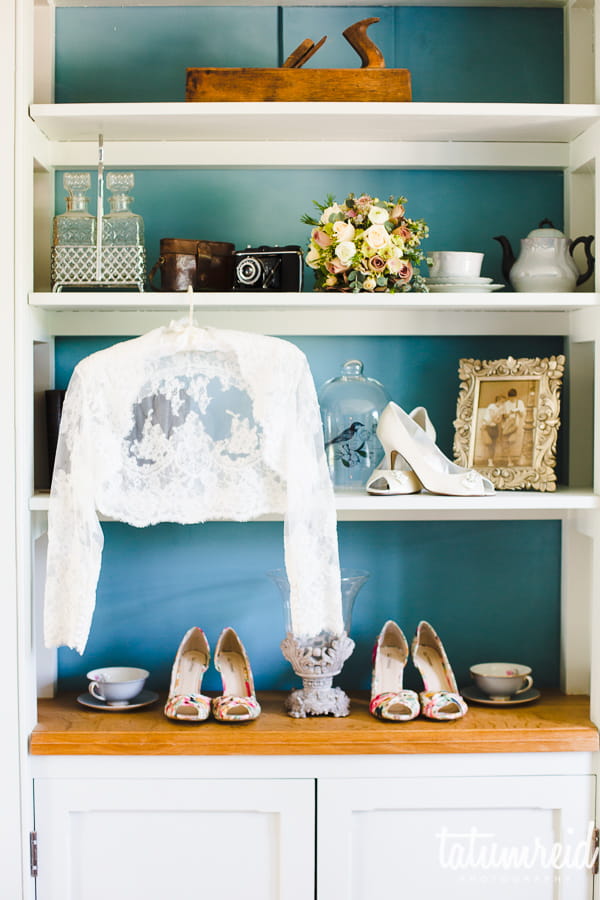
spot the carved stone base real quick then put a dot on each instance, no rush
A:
(317, 701)
(316, 661)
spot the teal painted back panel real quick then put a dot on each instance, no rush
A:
(464, 210)
(479, 583)
(508, 55)
(492, 589)
(487, 587)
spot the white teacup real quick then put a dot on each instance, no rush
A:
(501, 681)
(116, 685)
(455, 264)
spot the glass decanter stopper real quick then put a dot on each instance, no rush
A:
(77, 226)
(350, 408)
(121, 226)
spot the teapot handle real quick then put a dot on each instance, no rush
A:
(586, 241)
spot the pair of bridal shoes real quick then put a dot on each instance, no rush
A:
(413, 460)
(187, 703)
(390, 701)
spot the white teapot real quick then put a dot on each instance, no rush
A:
(546, 260)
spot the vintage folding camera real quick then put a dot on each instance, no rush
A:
(268, 269)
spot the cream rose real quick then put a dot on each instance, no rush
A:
(345, 251)
(376, 237)
(312, 258)
(343, 231)
(369, 284)
(330, 211)
(377, 215)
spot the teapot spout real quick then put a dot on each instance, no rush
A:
(508, 257)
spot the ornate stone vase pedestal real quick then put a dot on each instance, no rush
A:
(318, 659)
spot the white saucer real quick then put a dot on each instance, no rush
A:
(143, 699)
(476, 696)
(468, 287)
(456, 279)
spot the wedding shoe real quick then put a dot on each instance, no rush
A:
(399, 432)
(440, 699)
(238, 701)
(393, 475)
(185, 702)
(388, 699)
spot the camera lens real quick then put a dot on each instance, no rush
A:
(248, 271)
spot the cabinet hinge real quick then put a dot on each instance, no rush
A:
(595, 850)
(33, 854)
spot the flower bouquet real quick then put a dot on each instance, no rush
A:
(366, 244)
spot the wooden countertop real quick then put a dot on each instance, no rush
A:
(554, 723)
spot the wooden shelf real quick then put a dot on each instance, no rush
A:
(554, 723)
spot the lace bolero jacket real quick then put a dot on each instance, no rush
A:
(187, 425)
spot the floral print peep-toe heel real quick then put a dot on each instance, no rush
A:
(238, 701)
(440, 700)
(185, 702)
(389, 700)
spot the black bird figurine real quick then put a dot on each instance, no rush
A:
(346, 435)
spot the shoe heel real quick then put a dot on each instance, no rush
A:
(185, 702)
(441, 699)
(238, 701)
(389, 700)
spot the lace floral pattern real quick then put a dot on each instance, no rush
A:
(189, 425)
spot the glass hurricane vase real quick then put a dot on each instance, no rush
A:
(317, 659)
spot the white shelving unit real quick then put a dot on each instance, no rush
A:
(425, 135)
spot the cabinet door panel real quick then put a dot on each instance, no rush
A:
(455, 837)
(158, 839)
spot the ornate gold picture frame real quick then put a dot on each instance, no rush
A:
(507, 420)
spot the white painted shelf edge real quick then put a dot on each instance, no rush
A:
(273, 301)
(181, 121)
(484, 4)
(355, 506)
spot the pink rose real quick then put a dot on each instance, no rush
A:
(405, 272)
(376, 263)
(336, 266)
(397, 212)
(321, 238)
(404, 232)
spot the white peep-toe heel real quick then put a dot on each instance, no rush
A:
(393, 475)
(400, 433)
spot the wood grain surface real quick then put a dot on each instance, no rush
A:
(553, 723)
(298, 85)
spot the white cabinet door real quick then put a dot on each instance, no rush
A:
(456, 838)
(160, 839)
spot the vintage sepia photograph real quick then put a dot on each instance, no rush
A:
(507, 420)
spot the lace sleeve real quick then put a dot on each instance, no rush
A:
(310, 532)
(75, 538)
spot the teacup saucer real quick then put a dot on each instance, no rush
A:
(145, 698)
(476, 696)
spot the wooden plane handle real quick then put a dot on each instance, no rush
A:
(302, 53)
(369, 52)
(292, 61)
